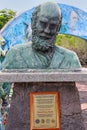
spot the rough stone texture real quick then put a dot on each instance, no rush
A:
(71, 118)
(43, 75)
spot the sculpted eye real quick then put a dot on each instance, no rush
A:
(43, 24)
(52, 26)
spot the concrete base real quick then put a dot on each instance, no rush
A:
(71, 118)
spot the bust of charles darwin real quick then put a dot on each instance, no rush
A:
(42, 53)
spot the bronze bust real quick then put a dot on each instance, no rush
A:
(42, 53)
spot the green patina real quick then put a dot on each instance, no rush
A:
(42, 52)
(21, 57)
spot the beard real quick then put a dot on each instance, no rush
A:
(43, 45)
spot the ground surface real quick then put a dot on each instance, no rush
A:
(82, 87)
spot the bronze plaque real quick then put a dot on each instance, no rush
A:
(44, 110)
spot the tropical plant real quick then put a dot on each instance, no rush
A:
(5, 16)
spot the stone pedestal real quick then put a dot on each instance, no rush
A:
(70, 109)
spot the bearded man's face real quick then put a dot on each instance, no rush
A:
(46, 29)
(45, 36)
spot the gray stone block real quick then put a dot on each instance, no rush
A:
(70, 110)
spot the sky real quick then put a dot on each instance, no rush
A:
(22, 5)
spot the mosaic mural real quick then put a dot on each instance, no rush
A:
(18, 30)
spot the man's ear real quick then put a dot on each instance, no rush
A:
(59, 25)
(31, 22)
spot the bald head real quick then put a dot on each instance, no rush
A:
(50, 9)
(45, 13)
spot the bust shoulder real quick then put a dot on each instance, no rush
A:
(65, 59)
(68, 54)
(65, 51)
(20, 47)
(16, 56)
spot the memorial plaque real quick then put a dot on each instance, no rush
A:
(44, 111)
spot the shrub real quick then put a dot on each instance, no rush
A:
(74, 43)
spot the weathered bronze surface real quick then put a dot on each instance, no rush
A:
(42, 53)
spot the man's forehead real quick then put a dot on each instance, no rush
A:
(46, 19)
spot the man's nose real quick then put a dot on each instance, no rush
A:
(47, 29)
